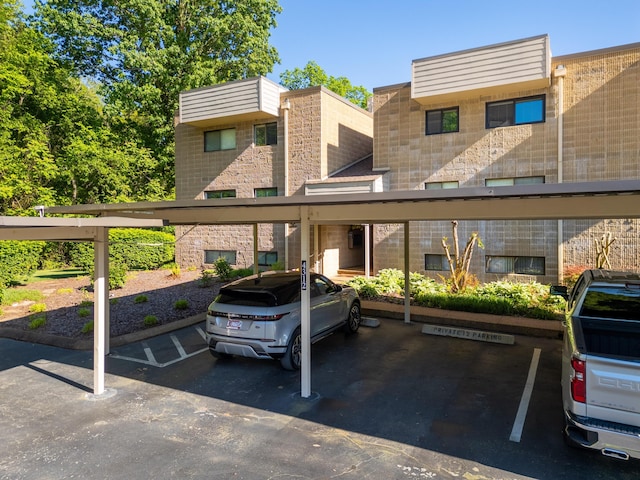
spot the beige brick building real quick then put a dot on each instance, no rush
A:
(504, 114)
(253, 138)
(510, 114)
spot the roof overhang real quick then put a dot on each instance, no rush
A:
(619, 199)
(66, 229)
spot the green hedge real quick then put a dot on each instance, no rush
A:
(137, 249)
(18, 259)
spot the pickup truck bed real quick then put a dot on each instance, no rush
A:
(616, 338)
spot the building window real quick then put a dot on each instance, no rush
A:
(508, 182)
(437, 262)
(266, 259)
(515, 112)
(266, 192)
(518, 265)
(266, 134)
(441, 185)
(220, 140)
(442, 121)
(210, 256)
(220, 194)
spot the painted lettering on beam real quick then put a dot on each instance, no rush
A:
(477, 335)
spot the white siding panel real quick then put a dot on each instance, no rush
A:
(515, 62)
(242, 97)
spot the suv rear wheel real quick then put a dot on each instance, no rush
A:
(293, 356)
(353, 320)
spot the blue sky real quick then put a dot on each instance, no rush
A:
(372, 42)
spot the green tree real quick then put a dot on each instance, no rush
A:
(313, 75)
(56, 145)
(26, 164)
(144, 53)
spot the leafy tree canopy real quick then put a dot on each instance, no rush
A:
(313, 75)
(56, 144)
(143, 53)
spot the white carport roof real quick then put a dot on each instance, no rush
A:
(595, 200)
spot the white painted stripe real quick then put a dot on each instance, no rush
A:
(179, 347)
(518, 425)
(150, 357)
(202, 334)
(153, 362)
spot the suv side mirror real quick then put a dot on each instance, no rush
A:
(560, 290)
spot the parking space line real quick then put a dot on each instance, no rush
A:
(518, 425)
(178, 346)
(151, 359)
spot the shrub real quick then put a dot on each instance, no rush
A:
(206, 278)
(87, 327)
(137, 249)
(38, 308)
(64, 291)
(181, 305)
(84, 312)
(175, 270)
(86, 303)
(37, 321)
(140, 299)
(18, 259)
(222, 269)
(500, 298)
(150, 320)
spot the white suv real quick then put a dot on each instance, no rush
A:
(259, 316)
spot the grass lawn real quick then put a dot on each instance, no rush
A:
(41, 275)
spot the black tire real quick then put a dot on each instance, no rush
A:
(353, 319)
(293, 356)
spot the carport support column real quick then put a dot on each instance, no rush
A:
(407, 276)
(255, 248)
(305, 306)
(100, 308)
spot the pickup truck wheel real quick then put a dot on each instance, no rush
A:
(353, 320)
(293, 356)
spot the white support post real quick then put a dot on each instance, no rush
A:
(100, 308)
(255, 248)
(316, 249)
(407, 276)
(305, 306)
(367, 251)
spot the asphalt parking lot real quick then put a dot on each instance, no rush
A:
(388, 403)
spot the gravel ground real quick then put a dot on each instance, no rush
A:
(69, 303)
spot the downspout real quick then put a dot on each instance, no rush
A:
(560, 73)
(286, 105)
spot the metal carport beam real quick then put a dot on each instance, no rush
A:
(619, 199)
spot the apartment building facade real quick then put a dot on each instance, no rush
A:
(505, 114)
(253, 138)
(511, 114)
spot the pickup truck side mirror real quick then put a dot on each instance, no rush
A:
(559, 290)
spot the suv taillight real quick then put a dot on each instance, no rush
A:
(579, 381)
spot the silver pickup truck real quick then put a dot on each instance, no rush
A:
(601, 363)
